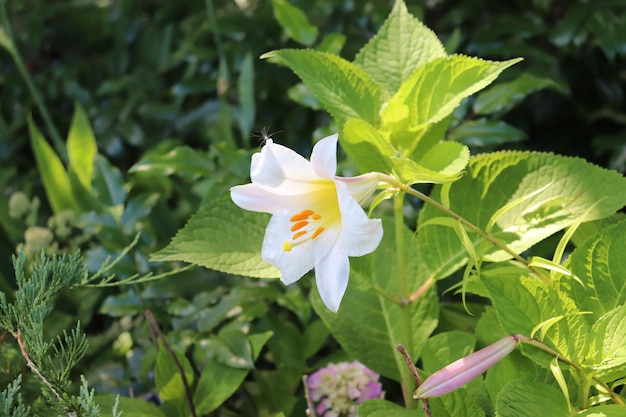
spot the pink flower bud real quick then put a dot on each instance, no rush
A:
(462, 371)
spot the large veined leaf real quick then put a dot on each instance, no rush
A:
(369, 325)
(600, 263)
(367, 146)
(570, 188)
(223, 237)
(402, 45)
(523, 398)
(345, 90)
(610, 351)
(434, 90)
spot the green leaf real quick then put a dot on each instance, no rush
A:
(332, 43)
(55, 180)
(218, 381)
(494, 180)
(130, 406)
(444, 348)
(523, 398)
(168, 379)
(245, 87)
(81, 147)
(459, 403)
(182, 160)
(382, 408)
(345, 90)
(402, 45)
(610, 353)
(504, 96)
(369, 325)
(611, 410)
(599, 262)
(108, 183)
(223, 237)
(367, 146)
(444, 162)
(294, 22)
(484, 132)
(434, 90)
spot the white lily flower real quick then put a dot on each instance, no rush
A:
(317, 219)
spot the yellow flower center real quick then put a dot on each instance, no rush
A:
(322, 212)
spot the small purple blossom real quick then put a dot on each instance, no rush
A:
(338, 389)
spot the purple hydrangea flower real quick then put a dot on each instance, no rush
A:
(338, 389)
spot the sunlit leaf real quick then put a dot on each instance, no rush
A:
(294, 22)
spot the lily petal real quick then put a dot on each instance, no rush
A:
(362, 187)
(324, 157)
(360, 235)
(280, 170)
(299, 260)
(331, 276)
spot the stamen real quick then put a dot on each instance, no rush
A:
(303, 215)
(287, 246)
(299, 225)
(299, 234)
(317, 232)
(316, 216)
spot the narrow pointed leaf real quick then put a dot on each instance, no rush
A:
(294, 22)
(81, 147)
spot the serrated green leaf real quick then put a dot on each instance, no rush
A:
(523, 398)
(223, 237)
(55, 180)
(81, 147)
(367, 147)
(346, 91)
(599, 262)
(294, 22)
(402, 45)
(245, 88)
(445, 348)
(494, 180)
(182, 160)
(442, 163)
(433, 91)
(504, 96)
(609, 355)
(218, 381)
(369, 325)
(484, 132)
(611, 410)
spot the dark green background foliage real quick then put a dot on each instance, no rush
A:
(156, 75)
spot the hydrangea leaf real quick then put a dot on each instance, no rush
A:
(610, 353)
(382, 408)
(368, 325)
(343, 88)
(223, 237)
(485, 132)
(523, 398)
(402, 45)
(367, 146)
(434, 90)
(573, 188)
(599, 262)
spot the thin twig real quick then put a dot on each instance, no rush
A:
(310, 412)
(32, 366)
(416, 376)
(152, 323)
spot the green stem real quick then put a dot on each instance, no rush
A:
(403, 279)
(498, 243)
(19, 63)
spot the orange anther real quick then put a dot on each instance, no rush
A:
(317, 232)
(316, 216)
(303, 215)
(299, 225)
(300, 233)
